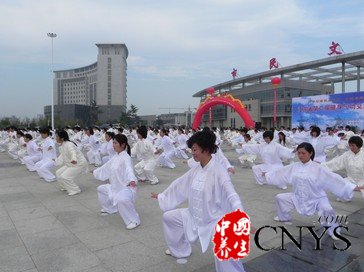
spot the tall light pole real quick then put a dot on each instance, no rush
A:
(52, 35)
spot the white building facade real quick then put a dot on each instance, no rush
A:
(101, 84)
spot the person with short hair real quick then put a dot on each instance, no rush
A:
(247, 160)
(18, 149)
(181, 140)
(46, 164)
(144, 150)
(272, 154)
(107, 148)
(72, 163)
(166, 150)
(119, 195)
(319, 142)
(93, 155)
(210, 195)
(34, 154)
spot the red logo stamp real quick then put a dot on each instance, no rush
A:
(232, 236)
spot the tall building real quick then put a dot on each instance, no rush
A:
(100, 86)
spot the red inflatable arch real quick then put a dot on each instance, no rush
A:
(227, 100)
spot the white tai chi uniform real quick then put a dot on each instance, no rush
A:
(68, 172)
(117, 196)
(93, 155)
(182, 146)
(145, 168)
(319, 143)
(107, 151)
(352, 163)
(218, 156)
(210, 194)
(34, 155)
(247, 159)
(309, 181)
(271, 154)
(165, 159)
(46, 164)
(17, 149)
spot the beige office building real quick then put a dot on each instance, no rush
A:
(101, 84)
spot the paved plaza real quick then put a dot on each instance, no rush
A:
(42, 229)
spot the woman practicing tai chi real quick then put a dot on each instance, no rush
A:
(72, 161)
(119, 194)
(310, 181)
(210, 195)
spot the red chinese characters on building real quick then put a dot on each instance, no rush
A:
(232, 236)
(234, 73)
(334, 49)
(273, 63)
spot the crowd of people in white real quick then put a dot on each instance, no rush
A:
(306, 160)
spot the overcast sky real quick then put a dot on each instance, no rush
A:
(176, 47)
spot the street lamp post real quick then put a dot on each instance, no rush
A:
(52, 36)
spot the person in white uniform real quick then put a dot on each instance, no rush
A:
(351, 161)
(271, 153)
(310, 181)
(18, 147)
(319, 143)
(210, 195)
(93, 155)
(34, 154)
(144, 149)
(46, 164)
(107, 149)
(72, 163)
(247, 160)
(181, 140)
(119, 195)
(166, 150)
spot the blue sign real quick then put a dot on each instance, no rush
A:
(329, 110)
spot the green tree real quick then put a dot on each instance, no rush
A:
(130, 117)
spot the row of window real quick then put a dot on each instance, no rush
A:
(75, 102)
(106, 51)
(282, 93)
(109, 83)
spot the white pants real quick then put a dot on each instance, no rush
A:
(94, 157)
(22, 153)
(30, 161)
(180, 247)
(247, 159)
(43, 168)
(144, 170)
(124, 203)
(66, 175)
(13, 151)
(181, 154)
(284, 204)
(3, 146)
(165, 159)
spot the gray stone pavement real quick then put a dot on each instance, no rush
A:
(42, 229)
